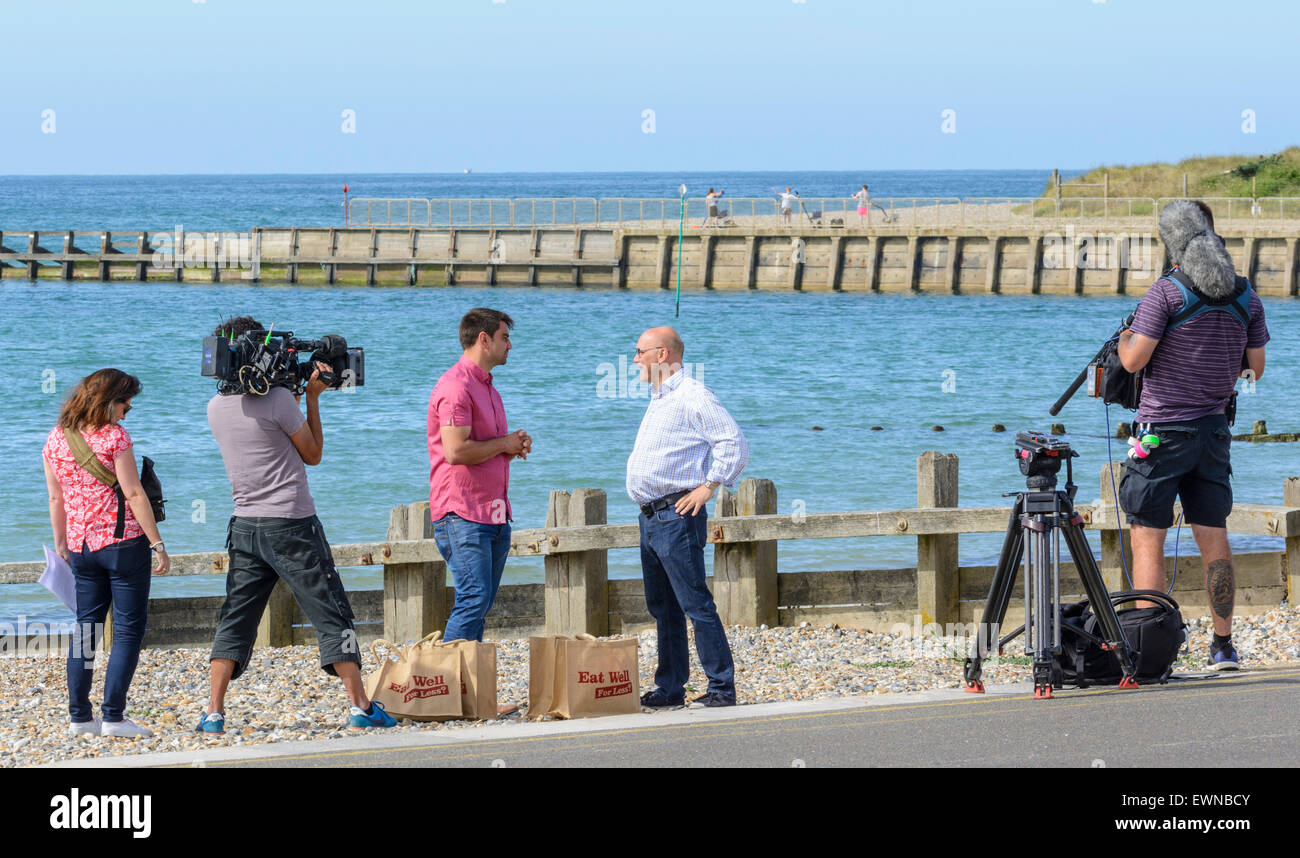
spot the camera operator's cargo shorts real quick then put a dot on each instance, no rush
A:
(264, 551)
(1191, 464)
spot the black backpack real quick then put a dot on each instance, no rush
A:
(1154, 635)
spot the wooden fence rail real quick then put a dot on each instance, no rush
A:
(577, 595)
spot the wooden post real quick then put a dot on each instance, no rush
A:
(33, 246)
(618, 278)
(415, 594)
(937, 593)
(1116, 266)
(1291, 497)
(331, 271)
(744, 574)
(69, 247)
(577, 584)
(373, 251)
(257, 254)
(105, 248)
(293, 255)
(141, 248)
(1113, 562)
(276, 626)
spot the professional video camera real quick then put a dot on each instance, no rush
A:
(1107, 379)
(256, 361)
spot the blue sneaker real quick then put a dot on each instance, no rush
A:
(360, 720)
(211, 722)
(1224, 657)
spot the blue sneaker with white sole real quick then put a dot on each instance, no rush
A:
(360, 719)
(211, 722)
(1223, 657)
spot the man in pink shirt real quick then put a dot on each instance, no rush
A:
(470, 449)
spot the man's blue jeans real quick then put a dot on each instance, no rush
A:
(118, 574)
(672, 564)
(476, 555)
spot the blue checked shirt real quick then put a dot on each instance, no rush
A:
(686, 439)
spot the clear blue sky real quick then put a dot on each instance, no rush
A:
(259, 86)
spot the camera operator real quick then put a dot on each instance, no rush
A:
(274, 535)
(1190, 369)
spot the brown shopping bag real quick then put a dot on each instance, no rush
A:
(581, 677)
(423, 684)
(478, 683)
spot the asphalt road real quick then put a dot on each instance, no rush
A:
(1214, 720)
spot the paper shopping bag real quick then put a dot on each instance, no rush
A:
(587, 677)
(478, 684)
(423, 683)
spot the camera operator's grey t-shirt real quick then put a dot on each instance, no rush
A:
(267, 475)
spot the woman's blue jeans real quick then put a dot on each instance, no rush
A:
(118, 574)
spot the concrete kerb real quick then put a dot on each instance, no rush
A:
(510, 731)
(515, 730)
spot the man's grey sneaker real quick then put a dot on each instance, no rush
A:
(125, 729)
(91, 727)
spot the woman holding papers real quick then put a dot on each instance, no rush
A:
(104, 528)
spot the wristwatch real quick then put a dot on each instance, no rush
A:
(156, 546)
(712, 485)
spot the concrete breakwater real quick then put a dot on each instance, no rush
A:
(1109, 260)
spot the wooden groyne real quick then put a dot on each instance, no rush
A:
(577, 595)
(1039, 259)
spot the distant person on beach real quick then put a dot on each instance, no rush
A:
(711, 204)
(687, 446)
(107, 533)
(274, 535)
(470, 448)
(787, 204)
(864, 206)
(1197, 329)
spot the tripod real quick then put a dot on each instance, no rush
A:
(1039, 517)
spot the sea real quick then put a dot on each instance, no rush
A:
(808, 377)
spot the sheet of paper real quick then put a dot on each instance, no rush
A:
(59, 580)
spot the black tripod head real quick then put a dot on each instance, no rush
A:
(1039, 456)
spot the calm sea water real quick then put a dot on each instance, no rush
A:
(781, 363)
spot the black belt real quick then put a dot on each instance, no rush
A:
(649, 509)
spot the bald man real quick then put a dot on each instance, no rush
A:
(686, 447)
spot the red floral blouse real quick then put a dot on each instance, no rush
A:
(91, 506)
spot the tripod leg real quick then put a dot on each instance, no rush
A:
(1042, 609)
(1095, 586)
(995, 606)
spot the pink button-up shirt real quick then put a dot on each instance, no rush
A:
(464, 396)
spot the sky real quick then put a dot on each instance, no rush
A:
(260, 86)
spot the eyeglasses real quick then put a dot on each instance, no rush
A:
(638, 352)
(126, 407)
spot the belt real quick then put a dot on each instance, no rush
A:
(649, 509)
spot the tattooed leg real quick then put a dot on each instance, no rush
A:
(1220, 580)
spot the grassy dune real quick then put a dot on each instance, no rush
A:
(1275, 175)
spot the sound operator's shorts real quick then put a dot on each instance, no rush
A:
(1192, 465)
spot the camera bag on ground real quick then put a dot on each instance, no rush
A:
(90, 463)
(1154, 636)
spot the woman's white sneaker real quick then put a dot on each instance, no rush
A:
(77, 728)
(125, 729)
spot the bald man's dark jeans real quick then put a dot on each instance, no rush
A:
(672, 564)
